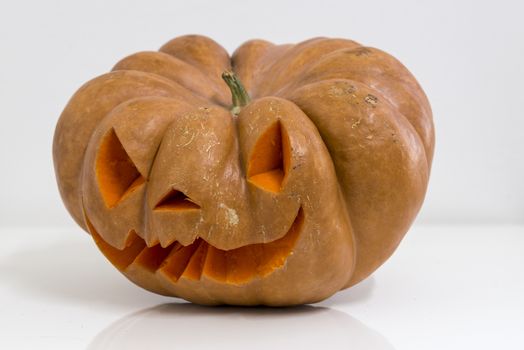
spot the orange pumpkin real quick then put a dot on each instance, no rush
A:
(282, 183)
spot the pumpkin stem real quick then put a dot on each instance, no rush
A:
(238, 92)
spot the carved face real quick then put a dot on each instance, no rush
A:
(182, 196)
(294, 198)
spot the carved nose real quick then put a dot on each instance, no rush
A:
(180, 211)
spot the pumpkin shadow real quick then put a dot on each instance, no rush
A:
(71, 271)
(184, 325)
(358, 293)
(74, 271)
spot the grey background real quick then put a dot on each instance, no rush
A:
(467, 55)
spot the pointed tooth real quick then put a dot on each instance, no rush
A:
(193, 270)
(152, 258)
(215, 266)
(175, 264)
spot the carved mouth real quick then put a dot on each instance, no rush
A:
(200, 259)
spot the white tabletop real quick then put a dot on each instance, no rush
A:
(446, 287)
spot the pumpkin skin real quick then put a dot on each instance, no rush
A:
(305, 192)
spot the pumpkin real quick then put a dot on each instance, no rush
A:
(277, 176)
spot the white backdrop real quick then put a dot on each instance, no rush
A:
(468, 56)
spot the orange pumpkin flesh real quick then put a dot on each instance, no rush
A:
(302, 188)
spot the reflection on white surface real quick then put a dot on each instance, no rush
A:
(188, 326)
(65, 272)
(58, 292)
(69, 270)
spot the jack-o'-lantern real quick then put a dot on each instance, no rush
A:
(278, 176)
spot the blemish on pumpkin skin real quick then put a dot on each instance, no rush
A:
(363, 51)
(212, 143)
(356, 124)
(231, 214)
(188, 142)
(371, 100)
(337, 91)
(296, 166)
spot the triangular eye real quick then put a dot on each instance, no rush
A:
(269, 161)
(116, 174)
(176, 200)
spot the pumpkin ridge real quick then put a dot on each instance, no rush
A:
(295, 82)
(388, 229)
(188, 91)
(168, 50)
(291, 52)
(133, 62)
(291, 59)
(398, 113)
(204, 56)
(295, 85)
(338, 180)
(407, 81)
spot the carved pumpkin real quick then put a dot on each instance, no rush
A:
(301, 186)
